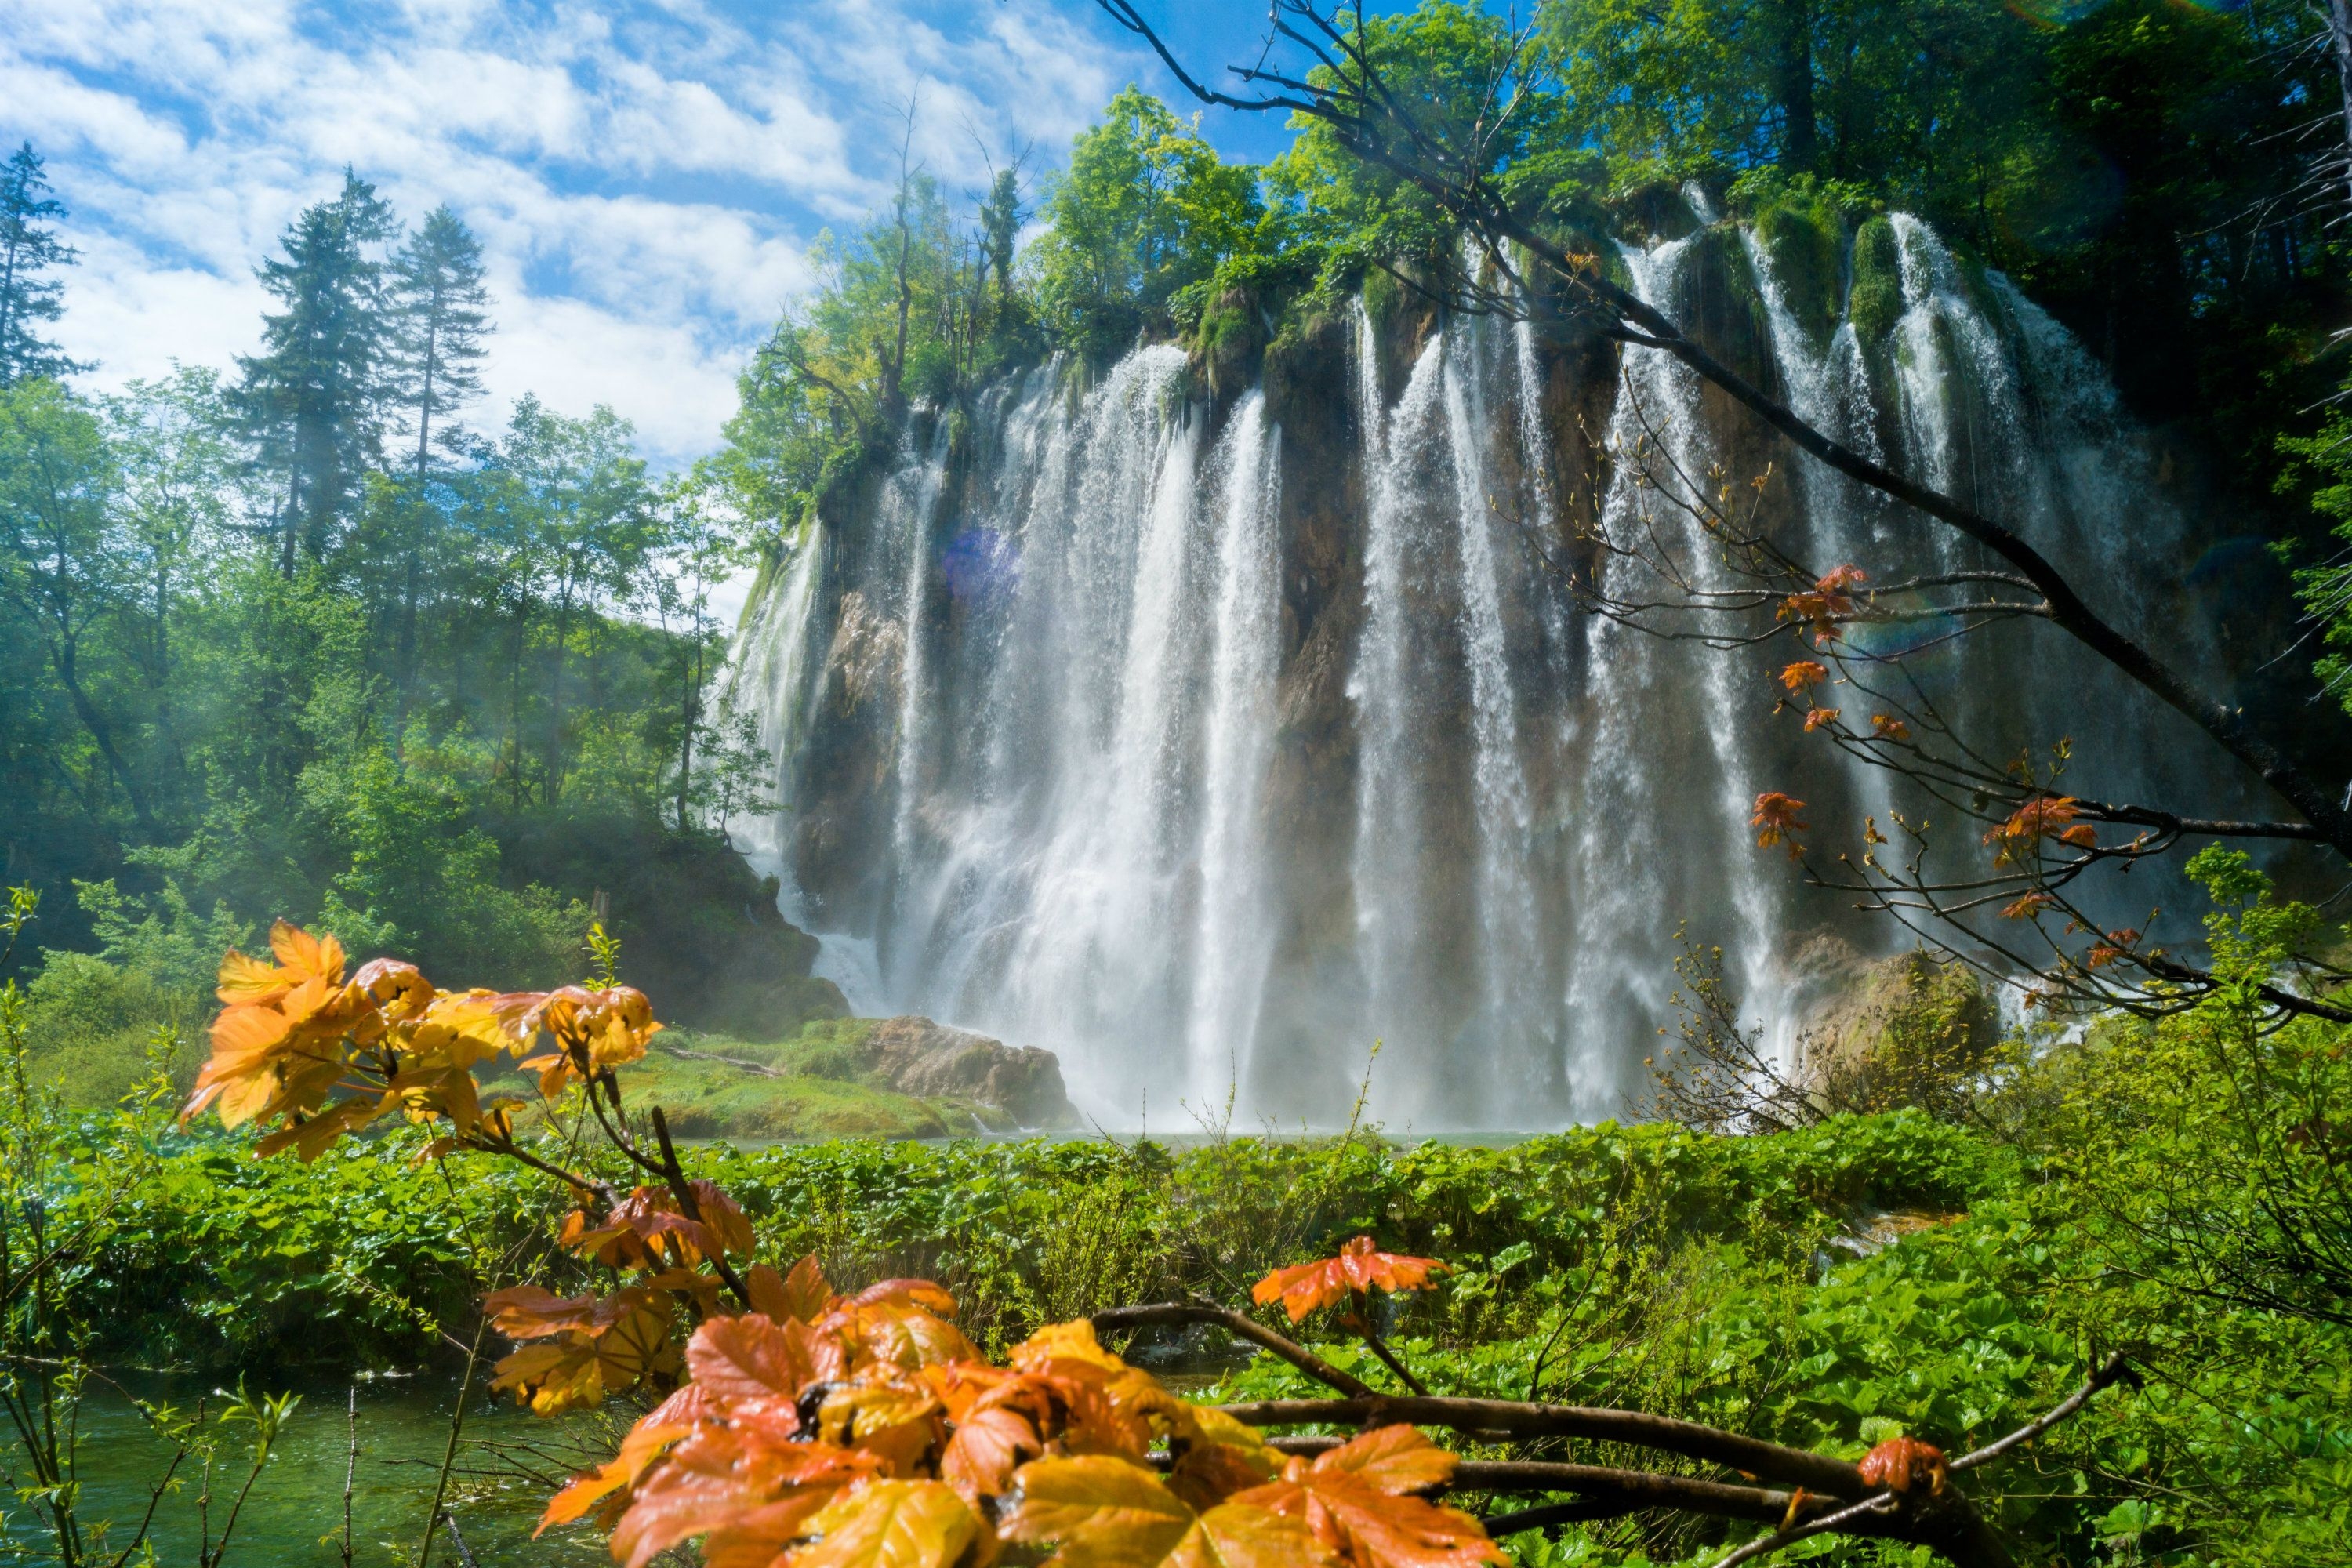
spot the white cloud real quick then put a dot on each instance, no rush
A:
(645, 175)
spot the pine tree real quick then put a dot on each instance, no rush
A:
(27, 249)
(314, 397)
(443, 316)
(437, 284)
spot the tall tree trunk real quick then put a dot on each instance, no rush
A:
(514, 715)
(406, 653)
(69, 671)
(2340, 30)
(1795, 88)
(293, 521)
(689, 710)
(555, 687)
(7, 294)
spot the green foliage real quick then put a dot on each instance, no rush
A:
(1875, 297)
(1140, 224)
(201, 716)
(1447, 65)
(28, 300)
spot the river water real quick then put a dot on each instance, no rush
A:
(293, 1517)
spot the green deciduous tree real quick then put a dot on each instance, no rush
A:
(1146, 211)
(63, 569)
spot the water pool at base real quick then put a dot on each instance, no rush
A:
(509, 1463)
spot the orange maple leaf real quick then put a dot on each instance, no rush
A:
(1104, 1511)
(1887, 727)
(2043, 817)
(803, 1293)
(1825, 604)
(2117, 946)
(1358, 1500)
(1360, 1267)
(1901, 1463)
(2028, 906)
(1805, 673)
(1776, 822)
(1817, 717)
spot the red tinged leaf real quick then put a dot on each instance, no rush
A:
(2044, 816)
(1901, 1463)
(1816, 718)
(1776, 822)
(2028, 906)
(1887, 727)
(1360, 1267)
(753, 1360)
(985, 1450)
(801, 1294)
(1349, 1510)
(674, 1418)
(528, 1312)
(721, 1478)
(722, 1217)
(1829, 601)
(920, 1293)
(1394, 1459)
(2115, 948)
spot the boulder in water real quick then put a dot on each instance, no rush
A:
(915, 1055)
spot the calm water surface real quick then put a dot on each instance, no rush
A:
(294, 1516)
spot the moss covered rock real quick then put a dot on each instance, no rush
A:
(1903, 1031)
(1875, 302)
(1804, 244)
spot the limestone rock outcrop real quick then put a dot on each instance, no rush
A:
(918, 1056)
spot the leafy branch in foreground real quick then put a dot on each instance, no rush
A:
(798, 1427)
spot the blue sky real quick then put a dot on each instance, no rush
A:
(646, 175)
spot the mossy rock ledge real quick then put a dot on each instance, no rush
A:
(850, 1078)
(914, 1055)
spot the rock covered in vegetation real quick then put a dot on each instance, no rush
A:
(699, 927)
(1906, 1030)
(915, 1055)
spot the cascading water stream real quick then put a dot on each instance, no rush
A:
(1205, 741)
(1634, 811)
(1237, 744)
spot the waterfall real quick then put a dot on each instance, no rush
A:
(766, 677)
(1204, 739)
(1231, 953)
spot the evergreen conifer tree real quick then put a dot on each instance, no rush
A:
(27, 249)
(437, 284)
(442, 310)
(314, 397)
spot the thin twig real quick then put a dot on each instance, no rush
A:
(1257, 1333)
(2115, 1369)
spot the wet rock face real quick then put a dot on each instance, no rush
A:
(917, 1056)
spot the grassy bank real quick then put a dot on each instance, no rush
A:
(1825, 1288)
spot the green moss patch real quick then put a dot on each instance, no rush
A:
(1875, 301)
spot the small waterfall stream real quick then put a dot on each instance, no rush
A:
(1125, 723)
